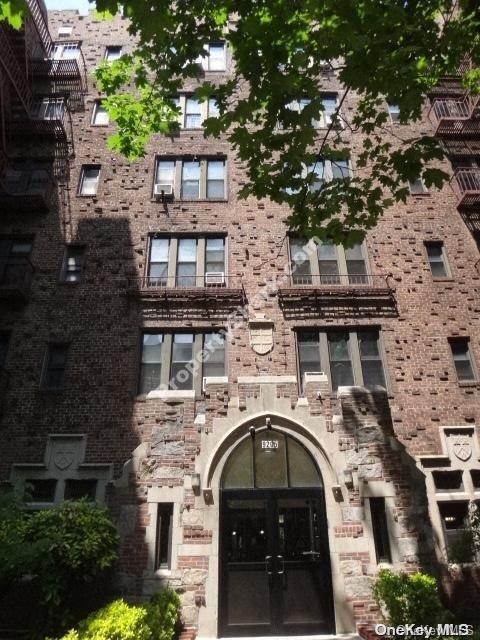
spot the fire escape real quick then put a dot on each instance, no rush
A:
(455, 115)
(37, 96)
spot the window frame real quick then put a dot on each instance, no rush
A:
(324, 118)
(380, 529)
(108, 50)
(354, 352)
(5, 339)
(471, 359)
(204, 61)
(74, 45)
(395, 110)
(167, 352)
(96, 105)
(158, 565)
(444, 260)
(46, 368)
(65, 30)
(81, 182)
(172, 256)
(423, 192)
(203, 173)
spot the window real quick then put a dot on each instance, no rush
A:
(113, 53)
(454, 516)
(462, 358)
(191, 179)
(193, 113)
(74, 263)
(100, 115)
(80, 489)
(40, 490)
(347, 357)
(163, 546)
(212, 108)
(475, 475)
(330, 264)
(214, 58)
(89, 180)
(66, 51)
(394, 111)
(55, 365)
(325, 115)
(48, 109)
(4, 341)
(417, 187)
(15, 267)
(183, 261)
(437, 259)
(322, 170)
(447, 480)
(178, 361)
(380, 529)
(65, 30)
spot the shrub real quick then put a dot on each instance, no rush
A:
(409, 598)
(66, 549)
(121, 621)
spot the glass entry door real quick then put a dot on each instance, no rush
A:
(275, 569)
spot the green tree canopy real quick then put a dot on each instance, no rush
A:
(381, 50)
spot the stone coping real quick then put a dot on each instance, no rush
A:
(267, 379)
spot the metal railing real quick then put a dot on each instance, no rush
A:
(450, 115)
(13, 69)
(16, 274)
(466, 184)
(38, 11)
(28, 183)
(209, 281)
(341, 280)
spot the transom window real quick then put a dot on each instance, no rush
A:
(178, 361)
(270, 459)
(180, 261)
(347, 357)
(330, 264)
(191, 179)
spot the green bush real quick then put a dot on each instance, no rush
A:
(463, 549)
(66, 549)
(409, 598)
(155, 620)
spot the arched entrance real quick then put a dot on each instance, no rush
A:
(275, 576)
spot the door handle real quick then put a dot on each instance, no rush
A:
(268, 565)
(281, 563)
(313, 554)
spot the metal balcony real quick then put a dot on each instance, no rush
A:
(29, 190)
(201, 289)
(16, 275)
(347, 289)
(455, 116)
(68, 74)
(50, 117)
(39, 14)
(466, 185)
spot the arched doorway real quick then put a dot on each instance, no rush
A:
(275, 576)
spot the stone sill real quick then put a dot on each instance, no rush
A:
(170, 394)
(211, 380)
(267, 379)
(468, 383)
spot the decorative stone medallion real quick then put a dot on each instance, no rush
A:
(261, 334)
(461, 446)
(63, 458)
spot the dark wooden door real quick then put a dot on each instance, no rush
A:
(275, 574)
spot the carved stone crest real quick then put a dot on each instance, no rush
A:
(261, 334)
(461, 446)
(63, 458)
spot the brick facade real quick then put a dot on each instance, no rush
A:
(156, 444)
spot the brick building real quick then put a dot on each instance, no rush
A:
(332, 428)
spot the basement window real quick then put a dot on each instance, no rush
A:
(40, 490)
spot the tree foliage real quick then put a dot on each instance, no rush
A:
(381, 50)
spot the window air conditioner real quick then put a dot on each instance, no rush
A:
(163, 191)
(214, 277)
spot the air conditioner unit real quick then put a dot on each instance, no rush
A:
(163, 191)
(214, 277)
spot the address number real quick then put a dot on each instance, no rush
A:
(269, 444)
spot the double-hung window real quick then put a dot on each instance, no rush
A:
(322, 170)
(55, 367)
(325, 114)
(347, 357)
(463, 359)
(327, 264)
(193, 113)
(186, 261)
(73, 263)
(89, 179)
(215, 58)
(179, 360)
(437, 259)
(394, 112)
(99, 115)
(191, 179)
(66, 51)
(113, 53)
